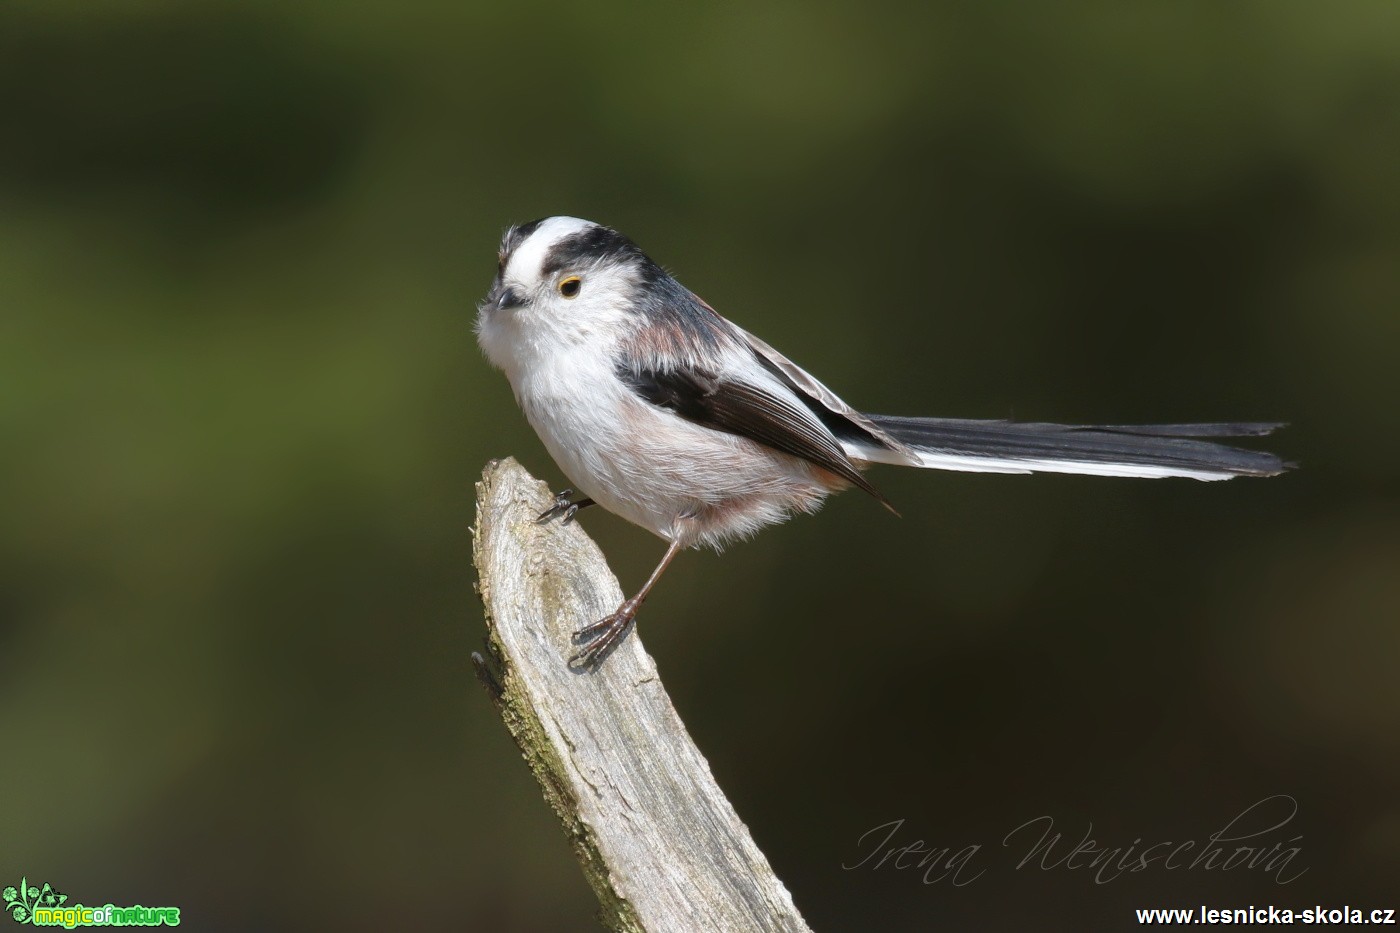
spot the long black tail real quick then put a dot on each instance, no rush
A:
(1146, 450)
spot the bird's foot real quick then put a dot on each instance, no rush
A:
(563, 506)
(602, 637)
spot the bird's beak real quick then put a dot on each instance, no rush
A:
(502, 298)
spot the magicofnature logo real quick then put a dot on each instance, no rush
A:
(45, 906)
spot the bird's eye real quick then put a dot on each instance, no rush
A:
(570, 286)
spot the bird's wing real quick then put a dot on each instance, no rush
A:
(840, 418)
(758, 413)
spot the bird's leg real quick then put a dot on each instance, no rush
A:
(600, 638)
(563, 506)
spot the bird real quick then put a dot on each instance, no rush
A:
(669, 415)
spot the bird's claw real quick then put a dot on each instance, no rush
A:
(601, 638)
(562, 505)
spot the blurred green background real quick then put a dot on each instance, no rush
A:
(243, 410)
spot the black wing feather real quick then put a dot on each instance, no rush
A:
(749, 411)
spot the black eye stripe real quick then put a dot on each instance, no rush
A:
(591, 246)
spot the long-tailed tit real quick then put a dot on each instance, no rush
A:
(664, 412)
